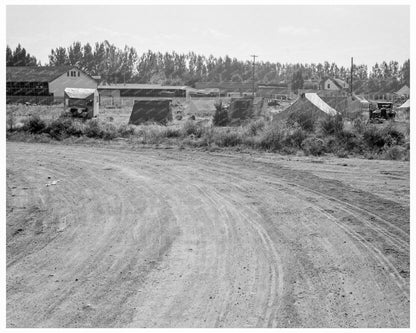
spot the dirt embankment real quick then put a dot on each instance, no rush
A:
(168, 238)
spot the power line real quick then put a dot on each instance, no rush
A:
(254, 62)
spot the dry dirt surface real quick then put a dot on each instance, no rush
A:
(109, 237)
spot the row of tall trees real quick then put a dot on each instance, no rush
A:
(19, 57)
(116, 65)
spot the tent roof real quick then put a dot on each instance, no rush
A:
(79, 93)
(320, 104)
(405, 104)
(405, 90)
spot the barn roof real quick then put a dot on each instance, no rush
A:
(35, 73)
(140, 86)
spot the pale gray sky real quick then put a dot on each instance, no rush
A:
(286, 34)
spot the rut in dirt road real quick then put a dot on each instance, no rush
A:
(166, 238)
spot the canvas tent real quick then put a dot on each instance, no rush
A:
(240, 109)
(405, 104)
(81, 102)
(403, 111)
(320, 104)
(151, 110)
(310, 103)
(404, 91)
(349, 107)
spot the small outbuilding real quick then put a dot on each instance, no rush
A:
(83, 103)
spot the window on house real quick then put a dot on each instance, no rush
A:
(78, 73)
(329, 85)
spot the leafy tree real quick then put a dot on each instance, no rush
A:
(405, 73)
(58, 57)
(297, 81)
(75, 55)
(19, 57)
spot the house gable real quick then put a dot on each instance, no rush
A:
(72, 78)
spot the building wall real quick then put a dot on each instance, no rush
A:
(330, 85)
(80, 80)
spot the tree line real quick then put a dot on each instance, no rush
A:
(118, 65)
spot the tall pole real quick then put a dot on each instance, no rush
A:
(254, 62)
(352, 65)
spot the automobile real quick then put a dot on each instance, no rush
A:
(380, 111)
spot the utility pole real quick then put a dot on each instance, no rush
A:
(254, 62)
(352, 65)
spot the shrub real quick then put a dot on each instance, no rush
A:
(349, 141)
(172, 132)
(378, 137)
(272, 138)
(295, 137)
(11, 117)
(303, 118)
(191, 128)
(373, 137)
(34, 125)
(331, 125)
(342, 153)
(208, 135)
(63, 127)
(254, 127)
(313, 146)
(126, 131)
(227, 139)
(95, 129)
(359, 125)
(394, 153)
(393, 135)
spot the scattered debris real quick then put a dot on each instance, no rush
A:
(53, 183)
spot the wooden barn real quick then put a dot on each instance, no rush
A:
(125, 94)
(44, 84)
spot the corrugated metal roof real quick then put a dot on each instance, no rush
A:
(79, 93)
(141, 86)
(35, 73)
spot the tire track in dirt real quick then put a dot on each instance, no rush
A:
(178, 239)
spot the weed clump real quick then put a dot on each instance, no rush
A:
(34, 125)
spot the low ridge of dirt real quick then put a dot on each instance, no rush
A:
(105, 237)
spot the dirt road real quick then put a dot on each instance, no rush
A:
(170, 238)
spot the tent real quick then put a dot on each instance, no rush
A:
(403, 111)
(151, 110)
(241, 109)
(320, 104)
(404, 91)
(349, 107)
(309, 102)
(405, 105)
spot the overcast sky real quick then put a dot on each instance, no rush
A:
(286, 34)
